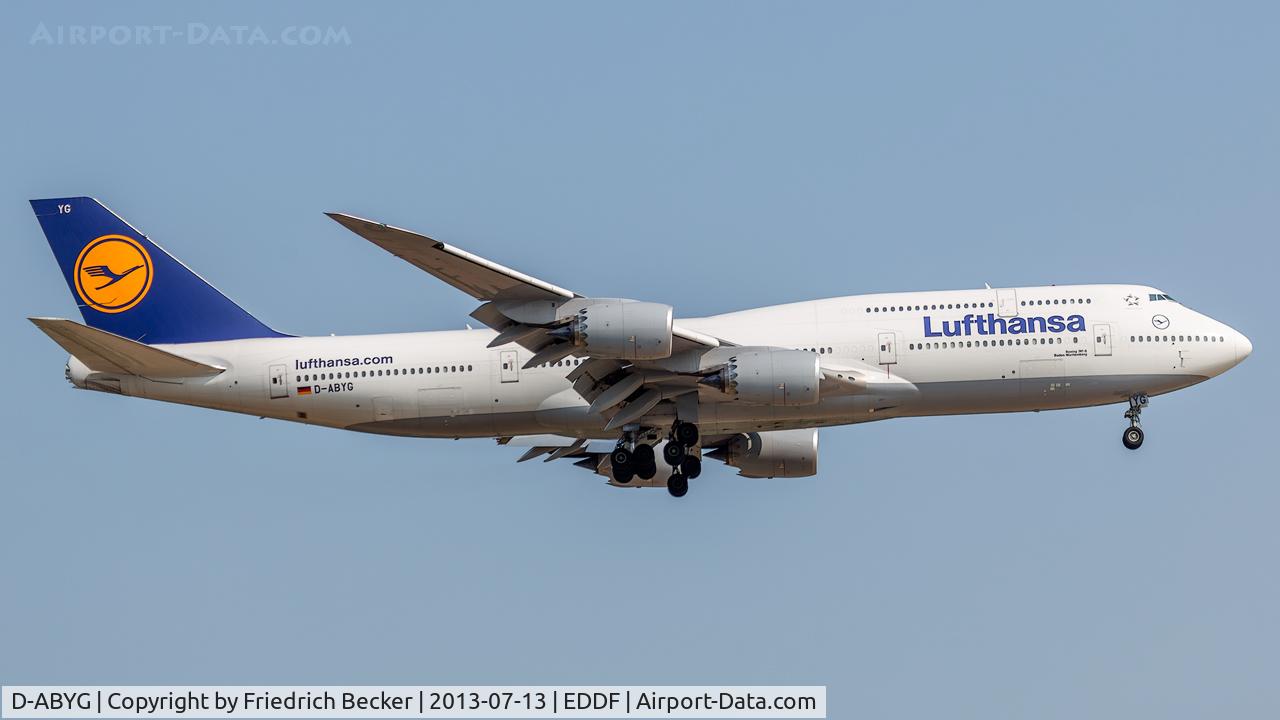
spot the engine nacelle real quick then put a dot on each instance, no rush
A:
(773, 453)
(623, 329)
(770, 376)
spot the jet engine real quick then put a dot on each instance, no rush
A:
(770, 454)
(769, 376)
(621, 329)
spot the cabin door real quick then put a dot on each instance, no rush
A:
(382, 409)
(1102, 339)
(888, 348)
(1007, 300)
(510, 370)
(277, 382)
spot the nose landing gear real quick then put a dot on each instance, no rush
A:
(1133, 435)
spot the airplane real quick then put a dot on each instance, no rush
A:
(620, 387)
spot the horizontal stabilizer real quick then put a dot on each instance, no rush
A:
(104, 352)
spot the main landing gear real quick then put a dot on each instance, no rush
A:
(627, 463)
(685, 465)
(634, 457)
(1133, 435)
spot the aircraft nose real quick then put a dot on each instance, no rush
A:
(1243, 347)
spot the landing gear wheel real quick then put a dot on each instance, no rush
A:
(677, 485)
(673, 452)
(643, 461)
(647, 471)
(1133, 438)
(685, 433)
(691, 467)
(623, 464)
(642, 455)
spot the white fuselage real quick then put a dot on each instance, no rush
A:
(1108, 342)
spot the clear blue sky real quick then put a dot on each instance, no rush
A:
(711, 155)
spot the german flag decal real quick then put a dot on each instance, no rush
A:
(304, 390)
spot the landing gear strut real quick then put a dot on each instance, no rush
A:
(1133, 435)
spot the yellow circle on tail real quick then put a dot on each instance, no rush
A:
(113, 273)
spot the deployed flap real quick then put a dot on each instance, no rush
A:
(105, 352)
(481, 279)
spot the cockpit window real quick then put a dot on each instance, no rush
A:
(1153, 297)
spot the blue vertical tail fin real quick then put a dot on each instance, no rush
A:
(127, 285)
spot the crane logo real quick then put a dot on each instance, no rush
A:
(113, 273)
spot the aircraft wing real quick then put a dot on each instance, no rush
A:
(541, 317)
(480, 278)
(487, 281)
